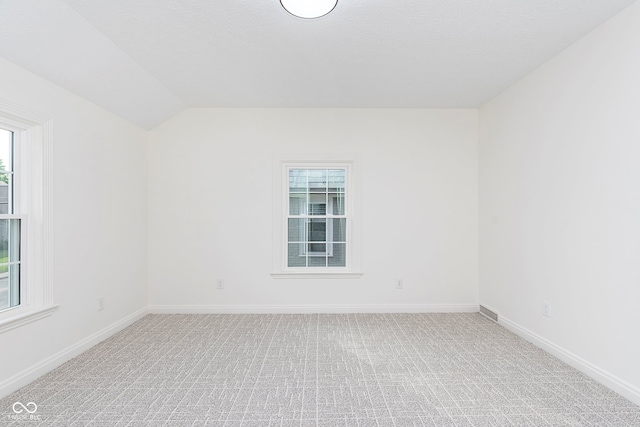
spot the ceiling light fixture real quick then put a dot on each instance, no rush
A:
(309, 8)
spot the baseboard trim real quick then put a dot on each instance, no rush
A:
(312, 309)
(31, 374)
(609, 380)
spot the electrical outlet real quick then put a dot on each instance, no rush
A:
(546, 308)
(220, 284)
(100, 302)
(399, 284)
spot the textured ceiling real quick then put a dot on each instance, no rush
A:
(146, 60)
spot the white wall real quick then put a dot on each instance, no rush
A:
(559, 210)
(100, 239)
(560, 203)
(210, 204)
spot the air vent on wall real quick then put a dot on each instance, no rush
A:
(490, 314)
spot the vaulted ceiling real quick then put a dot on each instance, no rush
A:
(147, 60)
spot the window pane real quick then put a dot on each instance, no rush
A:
(4, 193)
(339, 229)
(5, 295)
(296, 256)
(339, 258)
(298, 204)
(6, 166)
(298, 181)
(4, 240)
(9, 240)
(336, 180)
(316, 249)
(317, 181)
(4, 270)
(14, 240)
(337, 203)
(317, 230)
(317, 204)
(296, 228)
(318, 261)
(14, 285)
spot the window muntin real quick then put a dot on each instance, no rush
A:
(10, 226)
(316, 217)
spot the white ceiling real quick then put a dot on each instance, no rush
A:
(147, 60)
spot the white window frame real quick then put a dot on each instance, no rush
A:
(282, 165)
(33, 137)
(17, 204)
(327, 216)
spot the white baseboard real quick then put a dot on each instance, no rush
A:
(29, 375)
(310, 309)
(605, 378)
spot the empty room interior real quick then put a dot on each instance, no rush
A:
(365, 213)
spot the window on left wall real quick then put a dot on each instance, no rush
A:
(26, 255)
(10, 224)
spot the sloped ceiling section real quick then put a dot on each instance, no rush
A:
(52, 40)
(148, 59)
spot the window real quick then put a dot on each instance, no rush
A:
(26, 288)
(10, 225)
(317, 218)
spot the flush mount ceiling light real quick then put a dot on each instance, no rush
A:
(309, 8)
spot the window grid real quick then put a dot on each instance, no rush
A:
(10, 226)
(316, 217)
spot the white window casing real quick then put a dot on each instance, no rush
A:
(322, 211)
(33, 136)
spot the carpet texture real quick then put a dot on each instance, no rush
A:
(316, 370)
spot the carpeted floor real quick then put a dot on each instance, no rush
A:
(317, 370)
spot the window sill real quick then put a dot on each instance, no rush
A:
(316, 275)
(25, 318)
